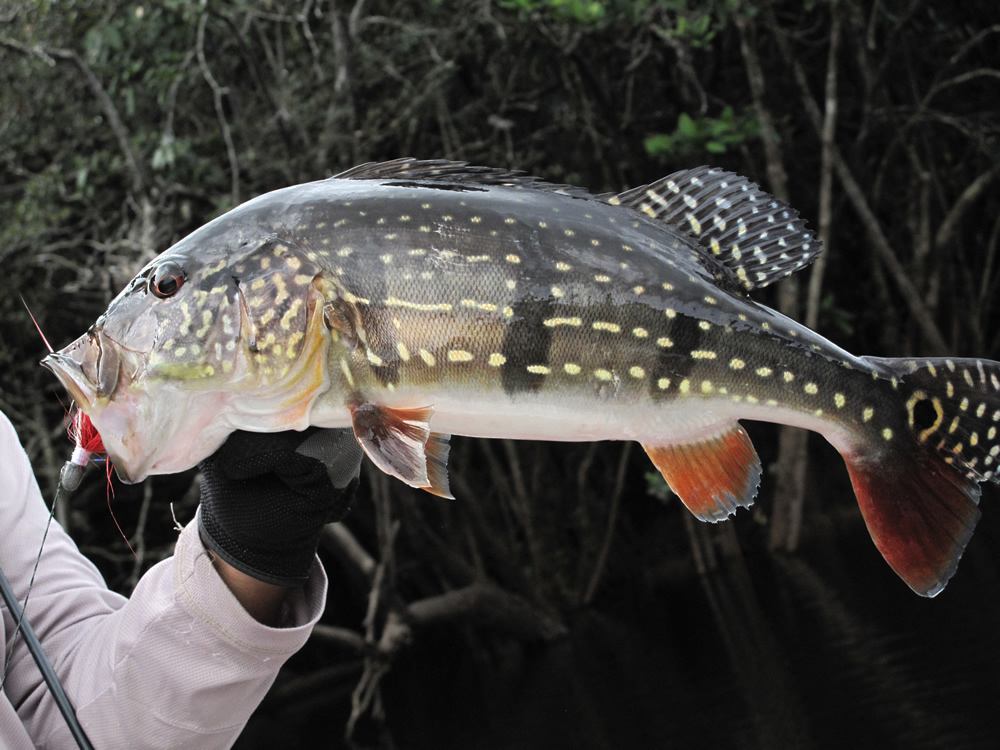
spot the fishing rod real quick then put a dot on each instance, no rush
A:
(88, 442)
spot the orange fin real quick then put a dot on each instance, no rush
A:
(712, 477)
(400, 443)
(920, 513)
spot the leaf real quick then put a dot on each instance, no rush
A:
(686, 126)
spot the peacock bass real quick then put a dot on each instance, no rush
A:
(412, 300)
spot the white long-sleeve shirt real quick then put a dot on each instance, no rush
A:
(179, 664)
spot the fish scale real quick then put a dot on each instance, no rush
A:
(413, 300)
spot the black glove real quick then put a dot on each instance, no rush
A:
(265, 498)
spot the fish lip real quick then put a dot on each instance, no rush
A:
(70, 373)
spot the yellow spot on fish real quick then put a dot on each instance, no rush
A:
(703, 354)
(387, 258)
(560, 266)
(706, 386)
(602, 278)
(964, 405)
(640, 333)
(637, 372)
(258, 284)
(627, 248)
(595, 243)
(508, 312)
(511, 284)
(951, 390)
(404, 353)
(953, 426)
(670, 313)
(496, 359)
(553, 322)
(737, 364)
(427, 357)
(477, 259)
(753, 400)
(811, 389)
(667, 286)
(974, 438)
(685, 386)
(601, 325)
(867, 414)
(602, 374)
(711, 300)
(557, 292)
(206, 319)
(374, 358)
(664, 342)
(663, 383)
(704, 325)
(538, 369)
(764, 371)
(788, 376)
(292, 262)
(571, 368)
(569, 232)
(476, 219)
(344, 252)
(638, 289)
(396, 302)
(459, 355)
(267, 317)
(839, 400)
(511, 258)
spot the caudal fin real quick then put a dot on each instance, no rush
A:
(920, 490)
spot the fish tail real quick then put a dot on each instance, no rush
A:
(917, 474)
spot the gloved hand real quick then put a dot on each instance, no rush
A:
(265, 498)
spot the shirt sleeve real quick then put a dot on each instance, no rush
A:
(178, 664)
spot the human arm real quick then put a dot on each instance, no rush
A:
(180, 662)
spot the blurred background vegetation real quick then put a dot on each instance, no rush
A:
(125, 125)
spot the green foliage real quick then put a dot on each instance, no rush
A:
(579, 11)
(657, 487)
(714, 135)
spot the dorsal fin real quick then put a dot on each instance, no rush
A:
(456, 173)
(758, 238)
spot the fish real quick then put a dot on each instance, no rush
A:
(412, 300)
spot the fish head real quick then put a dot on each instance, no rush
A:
(221, 332)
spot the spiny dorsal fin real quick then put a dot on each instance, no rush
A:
(454, 173)
(758, 238)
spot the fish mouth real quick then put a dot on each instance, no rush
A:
(89, 368)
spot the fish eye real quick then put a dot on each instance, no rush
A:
(166, 280)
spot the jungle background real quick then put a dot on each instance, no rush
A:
(565, 599)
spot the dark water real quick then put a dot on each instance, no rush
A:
(824, 649)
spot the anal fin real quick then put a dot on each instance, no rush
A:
(714, 476)
(400, 443)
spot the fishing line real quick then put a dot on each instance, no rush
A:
(88, 442)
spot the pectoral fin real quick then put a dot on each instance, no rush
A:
(400, 443)
(713, 477)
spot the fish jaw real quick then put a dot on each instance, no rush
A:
(140, 424)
